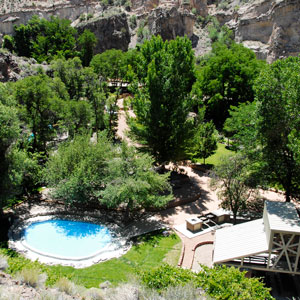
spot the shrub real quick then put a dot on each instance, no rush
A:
(132, 21)
(165, 276)
(32, 277)
(219, 282)
(65, 285)
(93, 294)
(8, 43)
(222, 282)
(194, 10)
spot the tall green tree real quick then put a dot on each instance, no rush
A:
(86, 43)
(77, 170)
(162, 103)
(17, 167)
(40, 108)
(44, 39)
(232, 177)
(204, 143)
(83, 171)
(277, 92)
(225, 79)
(133, 182)
(109, 64)
(70, 72)
(241, 127)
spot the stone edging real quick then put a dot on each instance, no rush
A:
(198, 245)
(15, 240)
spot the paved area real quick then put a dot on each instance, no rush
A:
(203, 255)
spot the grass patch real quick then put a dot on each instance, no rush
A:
(148, 252)
(172, 257)
(216, 158)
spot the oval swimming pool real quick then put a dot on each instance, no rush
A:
(67, 239)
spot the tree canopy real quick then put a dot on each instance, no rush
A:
(277, 91)
(83, 171)
(162, 103)
(225, 78)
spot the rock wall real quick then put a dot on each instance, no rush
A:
(111, 32)
(270, 28)
(171, 23)
(13, 68)
(68, 10)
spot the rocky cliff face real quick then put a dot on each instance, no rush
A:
(171, 23)
(270, 28)
(13, 68)
(20, 12)
(111, 32)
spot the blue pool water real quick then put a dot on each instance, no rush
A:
(66, 238)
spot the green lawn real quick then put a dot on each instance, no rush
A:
(148, 253)
(216, 158)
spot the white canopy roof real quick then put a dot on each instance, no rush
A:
(282, 216)
(240, 241)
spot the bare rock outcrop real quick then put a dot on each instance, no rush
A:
(112, 32)
(170, 23)
(13, 68)
(270, 28)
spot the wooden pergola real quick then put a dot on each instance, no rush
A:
(268, 244)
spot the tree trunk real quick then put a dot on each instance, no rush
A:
(127, 212)
(288, 186)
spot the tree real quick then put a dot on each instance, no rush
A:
(109, 64)
(17, 167)
(77, 170)
(219, 282)
(162, 103)
(231, 179)
(204, 143)
(241, 127)
(133, 182)
(8, 43)
(70, 72)
(85, 172)
(40, 108)
(277, 91)
(226, 79)
(43, 39)
(87, 42)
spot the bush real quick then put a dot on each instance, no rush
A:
(8, 43)
(132, 21)
(219, 282)
(65, 285)
(32, 277)
(165, 276)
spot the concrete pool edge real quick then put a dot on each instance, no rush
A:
(16, 241)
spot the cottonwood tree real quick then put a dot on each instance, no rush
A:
(77, 170)
(40, 108)
(231, 178)
(86, 43)
(133, 182)
(161, 97)
(86, 172)
(204, 143)
(225, 79)
(277, 92)
(16, 165)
